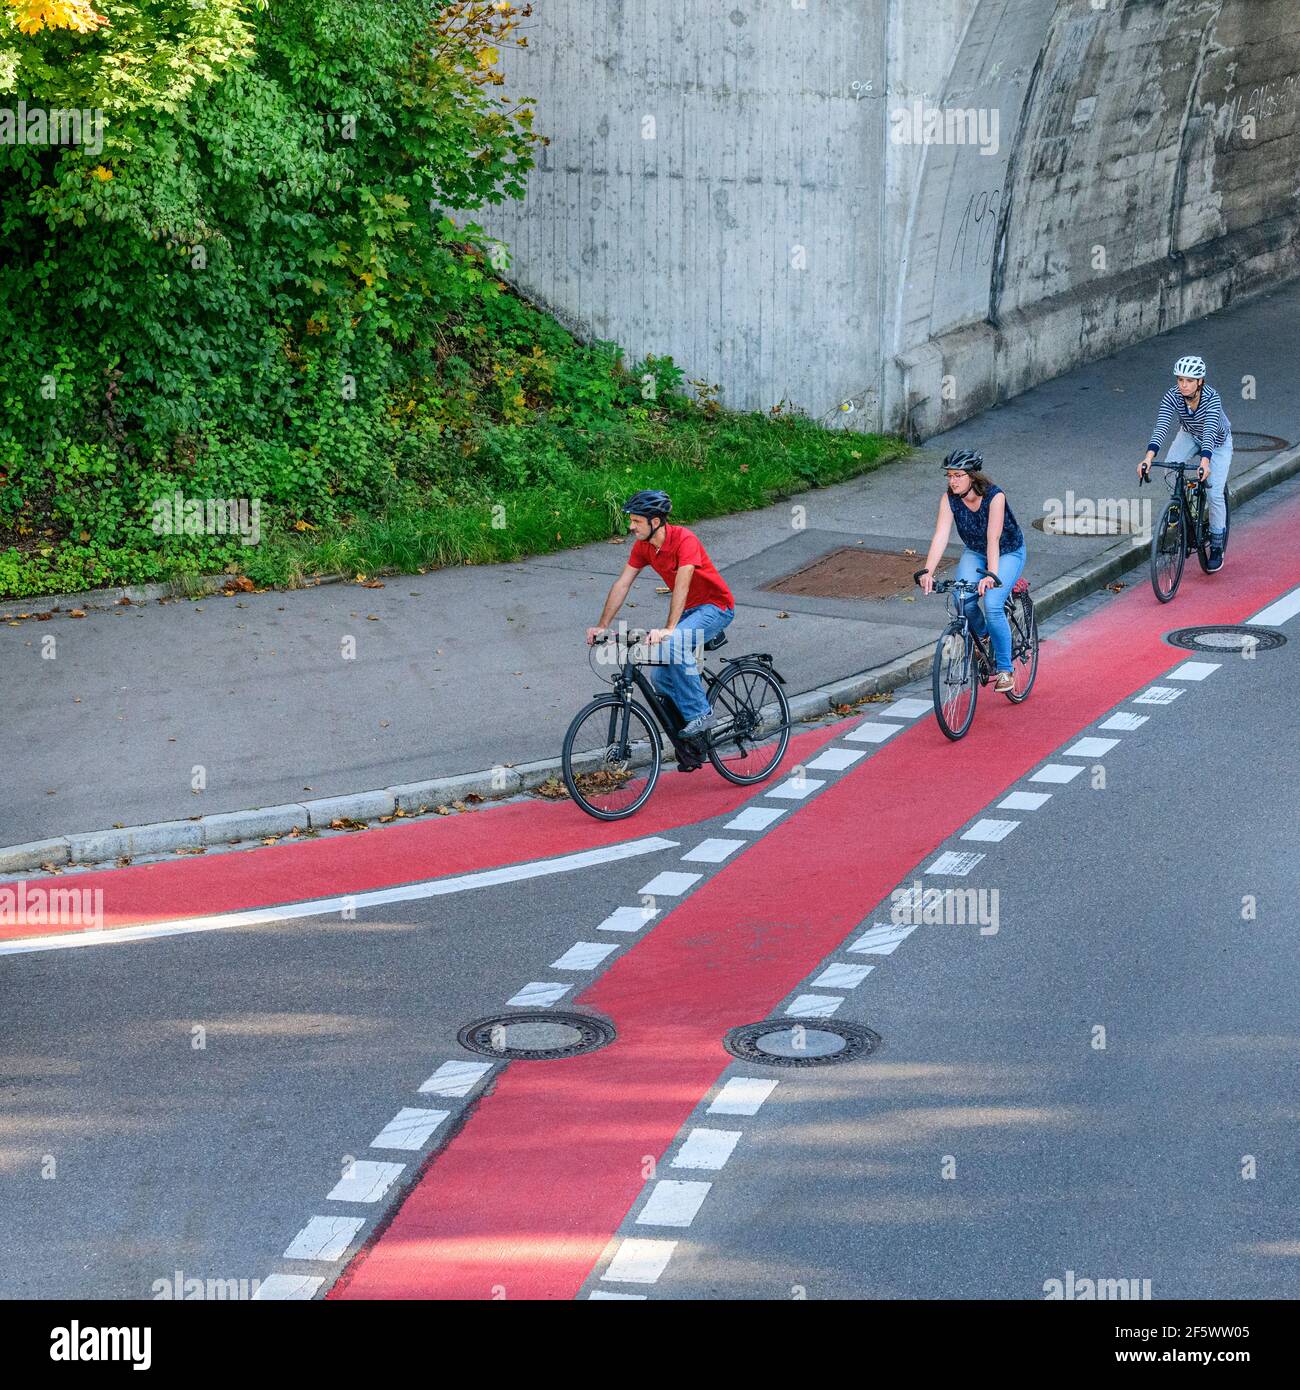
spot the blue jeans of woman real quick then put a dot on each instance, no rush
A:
(1185, 447)
(995, 600)
(675, 672)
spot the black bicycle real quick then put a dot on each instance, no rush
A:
(613, 751)
(964, 661)
(1184, 524)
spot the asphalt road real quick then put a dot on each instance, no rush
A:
(184, 1106)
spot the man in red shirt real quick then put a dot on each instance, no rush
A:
(699, 608)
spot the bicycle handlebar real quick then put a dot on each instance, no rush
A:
(941, 586)
(632, 635)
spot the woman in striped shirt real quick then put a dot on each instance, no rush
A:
(1198, 410)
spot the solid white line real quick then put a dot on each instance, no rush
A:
(796, 788)
(1194, 671)
(673, 1203)
(669, 884)
(841, 976)
(713, 851)
(953, 862)
(365, 1181)
(1057, 772)
(324, 1238)
(814, 1006)
(640, 1261)
(1157, 695)
(755, 818)
(742, 1095)
(883, 939)
(409, 1129)
(628, 918)
(1285, 607)
(1124, 721)
(539, 994)
(872, 733)
(319, 907)
(837, 759)
(707, 1148)
(285, 1287)
(583, 955)
(990, 831)
(1090, 748)
(1024, 801)
(455, 1078)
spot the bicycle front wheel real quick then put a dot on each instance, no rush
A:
(954, 682)
(611, 758)
(753, 727)
(1168, 551)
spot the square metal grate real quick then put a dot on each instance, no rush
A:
(854, 571)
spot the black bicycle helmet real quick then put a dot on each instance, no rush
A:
(968, 460)
(648, 503)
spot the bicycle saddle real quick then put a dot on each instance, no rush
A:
(714, 643)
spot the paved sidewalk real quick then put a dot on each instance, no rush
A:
(461, 670)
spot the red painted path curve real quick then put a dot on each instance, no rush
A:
(528, 1194)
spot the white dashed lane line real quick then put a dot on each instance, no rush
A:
(1193, 671)
(990, 831)
(707, 1149)
(539, 994)
(953, 862)
(1057, 772)
(409, 1129)
(742, 1095)
(1125, 722)
(1024, 801)
(712, 851)
(628, 918)
(814, 1006)
(796, 788)
(288, 1288)
(755, 818)
(324, 1238)
(883, 939)
(837, 759)
(669, 884)
(365, 1181)
(872, 733)
(839, 976)
(584, 955)
(1157, 695)
(673, 1202)
(1276, 613)
(455, 1078)
(640, 1261)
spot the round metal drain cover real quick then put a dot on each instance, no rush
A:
(1246, 442)
(536, 1037)
(791, 1043)
(1239, 638)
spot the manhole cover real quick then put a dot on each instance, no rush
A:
(792, 1043)
(538, 1037)
(1239, 638)
(1114, 517)
(854, 571)
(1244, 442)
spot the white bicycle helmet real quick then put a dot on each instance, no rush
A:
(1191, 367)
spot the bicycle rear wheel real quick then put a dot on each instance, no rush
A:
(1168, 550)
(753, 723)
(1024, 647)
(611, 758)
(954, 682)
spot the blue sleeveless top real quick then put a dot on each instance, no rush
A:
(973, 527)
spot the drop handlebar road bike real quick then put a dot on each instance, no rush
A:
(613, 751)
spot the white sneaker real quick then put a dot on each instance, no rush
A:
(697, 726)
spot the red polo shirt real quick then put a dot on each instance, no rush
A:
(682, 547)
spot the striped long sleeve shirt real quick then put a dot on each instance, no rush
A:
(1207, 424)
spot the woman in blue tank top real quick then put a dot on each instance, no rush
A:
(993, 541)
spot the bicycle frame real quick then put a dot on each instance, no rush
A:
(1192, 494)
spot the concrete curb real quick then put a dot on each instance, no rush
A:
(200, 586)
(413, 798)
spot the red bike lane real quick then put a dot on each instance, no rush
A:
(527, 1195)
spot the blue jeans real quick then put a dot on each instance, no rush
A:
(675, 672)
(995, 601)
(1185, 447)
